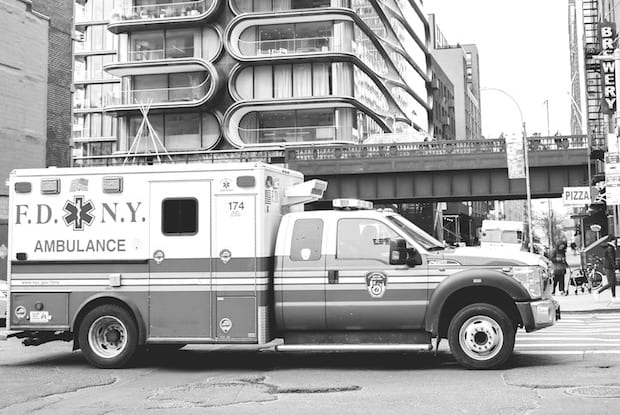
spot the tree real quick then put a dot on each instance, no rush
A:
(551, 222)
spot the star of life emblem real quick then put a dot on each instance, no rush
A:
(78, 213)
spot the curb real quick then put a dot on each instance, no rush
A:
(593, 310)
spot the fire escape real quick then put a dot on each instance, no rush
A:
(594, 91)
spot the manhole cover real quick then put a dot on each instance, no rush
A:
(596, 391)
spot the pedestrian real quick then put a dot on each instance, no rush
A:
(609, 266)
(558, 259)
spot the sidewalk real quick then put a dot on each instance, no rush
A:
(585, 303)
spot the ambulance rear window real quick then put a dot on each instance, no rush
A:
(179, 216)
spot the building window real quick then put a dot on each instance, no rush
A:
(160, 88)
(249, 6)
(95, 148)
(179, 216)
(285, 81)
(175, 131)
(169, 44)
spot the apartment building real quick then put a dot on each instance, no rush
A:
(217, 74)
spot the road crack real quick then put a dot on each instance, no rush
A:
(219, 393)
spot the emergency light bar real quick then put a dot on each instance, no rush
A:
(352, 204)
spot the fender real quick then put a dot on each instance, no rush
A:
(465, 279)
(118, 297)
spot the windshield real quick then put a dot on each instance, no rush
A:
(425, 240)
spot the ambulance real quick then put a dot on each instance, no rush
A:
(224, 254)
(502, 234)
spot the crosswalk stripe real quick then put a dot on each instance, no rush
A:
(571, 338)
(591, 334)
(570, 344)
(568, 352)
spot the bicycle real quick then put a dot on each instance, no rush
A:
(588, 277)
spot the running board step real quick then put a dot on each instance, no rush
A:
(353, 347)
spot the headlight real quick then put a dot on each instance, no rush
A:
(530, 278)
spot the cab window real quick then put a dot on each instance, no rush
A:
(363, 239)
(307, 239)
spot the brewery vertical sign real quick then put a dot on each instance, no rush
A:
(608, 75)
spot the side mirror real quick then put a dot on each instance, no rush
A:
(414, 258)
(401, 255)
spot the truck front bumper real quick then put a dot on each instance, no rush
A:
(538, 314)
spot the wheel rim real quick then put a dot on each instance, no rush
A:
(481, 338)
(107, 337)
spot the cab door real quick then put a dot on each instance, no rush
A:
(363, 291)
(180, 267)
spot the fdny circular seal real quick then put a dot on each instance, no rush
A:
(376, 283)
(225, 255)
(20, 312)
(225, 324)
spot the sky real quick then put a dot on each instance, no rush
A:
(524, 51)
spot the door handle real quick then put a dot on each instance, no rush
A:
(332, 277)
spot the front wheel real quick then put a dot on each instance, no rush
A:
(481, 336)
(108, 336)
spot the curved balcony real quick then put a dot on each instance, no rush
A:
(130, 18)
(292, 135)
(340, 129)
(259, 48)
(169, 97)
(155, 66)
(367, 48)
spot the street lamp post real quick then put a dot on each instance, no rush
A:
(528, 192)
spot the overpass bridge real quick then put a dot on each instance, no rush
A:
(439, 170)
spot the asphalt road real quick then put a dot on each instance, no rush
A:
(51, 379)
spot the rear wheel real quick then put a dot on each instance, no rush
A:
(596, 279)
(108, 336)
(481, 336)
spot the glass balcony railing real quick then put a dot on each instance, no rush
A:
(155, 54)
(290, 134)
(159, 95)
(288, 46)
(160, 11)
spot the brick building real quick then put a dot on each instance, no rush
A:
(35, 90)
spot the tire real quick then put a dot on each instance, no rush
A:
(481, 336)
(597, 279)
(108, 336)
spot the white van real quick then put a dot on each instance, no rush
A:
(503, 234)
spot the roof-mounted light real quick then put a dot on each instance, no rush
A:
(50, 186)
(352, 204)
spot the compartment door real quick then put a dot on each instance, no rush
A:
(180, 264)
(234, 267)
